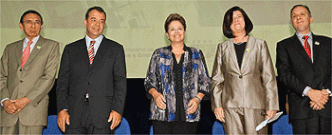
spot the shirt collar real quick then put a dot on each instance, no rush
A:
(300, 36)
(185, 48)
(98, 39)
(34, 40)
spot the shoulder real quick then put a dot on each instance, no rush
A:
(75, 43)
(285, 41)
(194, 50)
(161, 50)
(323, 38)
(112, 42)
(49, 41)
(13, 44)
(257, 40)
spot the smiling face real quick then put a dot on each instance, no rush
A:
(95, 24)
(301, 20)
(238, 23)
(31, 25)
(176, 32)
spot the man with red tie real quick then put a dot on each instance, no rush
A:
(304, 66)
(28, 69)
(91, 86)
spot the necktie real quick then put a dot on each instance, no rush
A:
(91, 52)
(26, 53)
(307, 46)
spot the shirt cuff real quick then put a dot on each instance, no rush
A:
(305, 91)
(66, 110)
(4, 100)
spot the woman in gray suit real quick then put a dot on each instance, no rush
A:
(243, 86)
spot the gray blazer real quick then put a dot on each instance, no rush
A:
(253, 86)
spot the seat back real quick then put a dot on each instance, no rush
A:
(123, 128)
(217, 128)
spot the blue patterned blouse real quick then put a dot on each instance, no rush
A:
(160, 76)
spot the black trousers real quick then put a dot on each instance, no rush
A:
(176, 127)
(315, 125)
(86, 126)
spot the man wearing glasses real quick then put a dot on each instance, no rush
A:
(28, 69)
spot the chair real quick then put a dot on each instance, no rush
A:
(123, 128)
(217, 128)
(52, 126)
(151, 130)
(281, 126)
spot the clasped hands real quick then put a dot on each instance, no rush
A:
(63, 118)
(318, 98)
(15, 106)
(160, 101)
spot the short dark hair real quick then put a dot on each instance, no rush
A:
(175, 17)
(228, 19)
(305, 6)
(101, 10)
(32, 12)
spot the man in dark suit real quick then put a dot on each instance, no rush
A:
(91, 86)
(304, 66)
(28, 69)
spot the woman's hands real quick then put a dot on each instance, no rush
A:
(194, 102)
(158, 98)
(219, 113)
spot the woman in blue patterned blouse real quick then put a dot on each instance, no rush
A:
(176, 82)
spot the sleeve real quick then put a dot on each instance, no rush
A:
(45, 83)
(4, 75)
(62, 88)
(151, 78)
(120, 82)
(285, 74)
(217, 81)
(328, 82)
(269, 79)
(204, 80)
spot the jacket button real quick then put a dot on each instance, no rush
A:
(240, 76)
(21, 81)
(21, 69)
(88, 83)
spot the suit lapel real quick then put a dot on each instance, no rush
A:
(18, 52)
(36, 49)
(250, 44)
(84, 52)
(233, 55)
(315, 47)
(101, 51)
(300, 49)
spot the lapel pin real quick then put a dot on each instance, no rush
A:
(248, 50)
(38, 47)
(316, 43)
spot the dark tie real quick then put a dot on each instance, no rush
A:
(307, 46)
(26, 53)
(91, 52)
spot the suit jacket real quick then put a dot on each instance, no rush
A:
(253, 86)
(104, 80)
(34, 81)
(296, 71)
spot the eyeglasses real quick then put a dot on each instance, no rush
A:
(37, 22)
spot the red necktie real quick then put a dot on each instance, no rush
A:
(307, 46)
(26, 53)
(91, 52)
